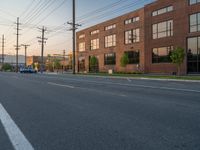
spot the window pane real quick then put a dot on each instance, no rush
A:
(81, 47)
(193, 19)
(162, 11)
(170, 8)
(163, 29)
(109, 59)
(155, 55)
(192, 2)
(154, 13)
(192, 49)
(155, 28)
(199, 46)
(133, 57)
(161, 55)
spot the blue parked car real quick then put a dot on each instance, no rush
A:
(27, 70)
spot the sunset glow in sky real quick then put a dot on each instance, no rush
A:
(54, 14)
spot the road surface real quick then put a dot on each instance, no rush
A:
(66, 112)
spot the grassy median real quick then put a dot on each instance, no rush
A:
(135, 75)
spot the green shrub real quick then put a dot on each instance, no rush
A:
(7, 67)
(124, 60)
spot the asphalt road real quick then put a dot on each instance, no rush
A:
(66, 112)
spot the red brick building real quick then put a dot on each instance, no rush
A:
(147, 36)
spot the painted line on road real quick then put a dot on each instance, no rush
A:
(123, 84)
(88, 89)
(15, 77)
(15, 135)
(134, 85)
(129, 80)
(61, 85)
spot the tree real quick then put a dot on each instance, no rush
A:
(57, 64)
(7, 67)
(124, 60)
(177, 57)
(93, 63)
(33, 65)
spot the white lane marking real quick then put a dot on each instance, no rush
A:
(121, 84)
(129, 80)
(62, 85)
(134, 85)
(15, 77)
(103, 92)
(88, 89)
(15, 135)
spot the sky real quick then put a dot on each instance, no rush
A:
(54, 15)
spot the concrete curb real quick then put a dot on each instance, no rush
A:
(140, 78)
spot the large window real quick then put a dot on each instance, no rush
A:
(133, 56)
(132, 36)
(110, 40)
(163, 29)
(94, 44)
(81, 36)
(132, 20)
(94, 32)
(162, 11)
(195, 22)
(110, 27)
(82, 47)
(193, 55)
(162, 54)
(191, 2)
(110, 59)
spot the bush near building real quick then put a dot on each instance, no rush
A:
(7, 67)
(177, 57)
(93, 64)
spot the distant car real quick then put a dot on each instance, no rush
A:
(27, 70)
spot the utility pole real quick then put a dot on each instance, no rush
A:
(17, 44)
(3, 41)
(42, 41)
(25, 46)
(74, 27)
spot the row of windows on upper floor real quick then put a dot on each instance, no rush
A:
(191, 2)
(113, 26)
(159, 30)
(131, 36)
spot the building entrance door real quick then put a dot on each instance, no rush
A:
(193, 55)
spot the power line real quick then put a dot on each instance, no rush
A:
(32, 10)
(112, 5)
(28, 8)
(106, 14)
(44, 18)
(40, 10)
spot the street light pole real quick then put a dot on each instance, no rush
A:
(74, 35)
(25, 46)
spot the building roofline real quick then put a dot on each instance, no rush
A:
(106, 21)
